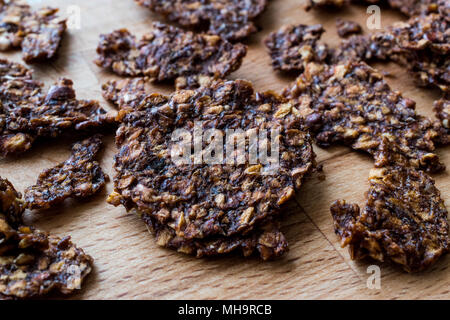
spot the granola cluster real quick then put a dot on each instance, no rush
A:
(351, 104)
(168, 53)
(38, 33)
(231, 19)
(421, 44)
(404, 220)
(34, 263)
(80, 176)
(293, 46)
(26, 113)
(198, 202)
(347, 27)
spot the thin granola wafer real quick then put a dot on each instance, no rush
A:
(80, 176)
(293, 46)
(404, 220)
(351, 104)
(201, 200)
(38, 33)
(27, 114)
(167, 53)
(231, 19)
(34, 263)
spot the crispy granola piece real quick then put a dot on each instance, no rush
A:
(27, 114)
(267, 240)
(231, 19)
(214, 197)
(11, 204)
(412, 8)
(80, 176)
(34, 263)
(347, 27)
(351, 104)
(38, 33)
(422, 44)
(167, 53)
(293, 46)
(404, 220)
(325, 4)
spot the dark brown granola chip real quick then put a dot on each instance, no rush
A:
(351, 104)
(11, 203)
(167, 53)
(27, 114)
(404, 220)
(347, 27)
(267, 240)
(34, 263)
(293, 46)
(231, 19)
(325, 4)
(80, 176)
(422, 44)
(199, 199)
(412, 8)
(38, 33)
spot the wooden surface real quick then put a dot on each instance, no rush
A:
(129, 265)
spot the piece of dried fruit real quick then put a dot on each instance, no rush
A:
(231, 19)
(404, 220)
(293, 46)
(27, 114)
(80, 176)
(351, 104)
(38, 33)
(34, 263)
(202, 199)
(168, 53)
(347, 27)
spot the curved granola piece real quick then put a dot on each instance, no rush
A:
(347, 27)
(351, 104)
(38, 33)
(404, 220)
(413, 8)
(27, 114)
(80, 176)
(231, 19)
(422, 44)
(325, 4)
(293, 46)
(268, 241)
(34, 264)
(11, 204)
(214, 197)
(167, 53)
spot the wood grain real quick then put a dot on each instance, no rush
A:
(128, 264)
